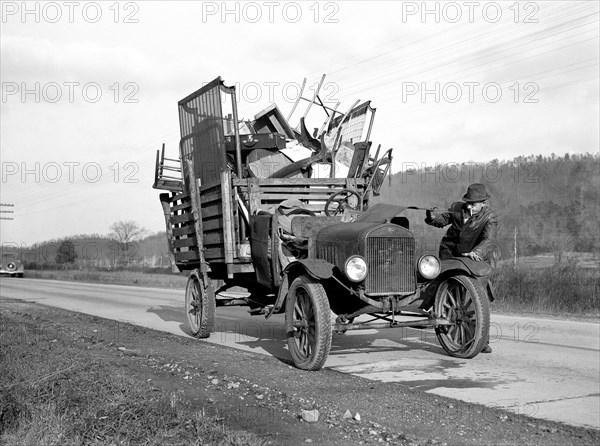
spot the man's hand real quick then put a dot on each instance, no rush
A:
(430, 213)
(473, 256)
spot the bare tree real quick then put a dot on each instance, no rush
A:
(125, 234)
(560, 244)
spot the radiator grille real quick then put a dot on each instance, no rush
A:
(391, 263)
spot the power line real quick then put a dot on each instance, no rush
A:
(6, 212)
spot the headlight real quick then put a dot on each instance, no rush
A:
(429, 266)
(356, 268)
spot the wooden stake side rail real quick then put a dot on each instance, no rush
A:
(213, 226)
(216, 226)
(290, 183)
(267, 193)
(185, 230)
(307, 195)
(182, 234)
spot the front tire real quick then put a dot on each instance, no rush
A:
(463, 301)
(200, 305)
(308, 323)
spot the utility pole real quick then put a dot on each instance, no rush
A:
(515, 250)
(6, 212)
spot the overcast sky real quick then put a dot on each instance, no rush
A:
(90, 90)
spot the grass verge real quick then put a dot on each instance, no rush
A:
(135, 278)
(55, 393)
(557, 290)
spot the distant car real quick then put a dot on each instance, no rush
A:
(11, 265)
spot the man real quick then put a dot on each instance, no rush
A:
(473, 228)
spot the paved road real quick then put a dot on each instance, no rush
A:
(544, 368)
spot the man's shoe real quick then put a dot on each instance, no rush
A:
(486, 349)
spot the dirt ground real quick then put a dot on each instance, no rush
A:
(266, 396)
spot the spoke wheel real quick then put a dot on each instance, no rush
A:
(308, 323)
(464, 302)
(199, 305)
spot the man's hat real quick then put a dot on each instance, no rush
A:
(475, 193)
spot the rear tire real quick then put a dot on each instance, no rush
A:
(308, 323)
(463, 301)
(200, 305)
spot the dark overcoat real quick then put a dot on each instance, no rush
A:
(467, 233)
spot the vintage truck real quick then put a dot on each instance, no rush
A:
(11, 265)
(304, 236)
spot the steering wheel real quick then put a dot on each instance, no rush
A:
(344, 199)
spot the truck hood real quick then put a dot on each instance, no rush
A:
(380, 213)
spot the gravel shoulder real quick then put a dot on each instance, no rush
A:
(266, 396)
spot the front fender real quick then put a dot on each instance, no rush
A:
(454, 266)
(316, 268)
(477, 269)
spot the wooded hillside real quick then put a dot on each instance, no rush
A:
(553, 203)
